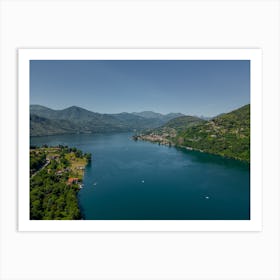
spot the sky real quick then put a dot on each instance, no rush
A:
(191, 87)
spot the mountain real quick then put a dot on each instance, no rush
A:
(205, 118)
(227, 134)
(183, 122)
(153, 115)
(148, 115)
(46, 121)
(73, 113)
(171, 116)
(174, 126)
(42, 126)
(41, 111)
(138, 122)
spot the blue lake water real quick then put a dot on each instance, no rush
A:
(136, 180)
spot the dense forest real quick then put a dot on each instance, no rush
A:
(56, 177)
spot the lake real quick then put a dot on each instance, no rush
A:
(136, 180)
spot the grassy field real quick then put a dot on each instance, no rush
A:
(77, 164)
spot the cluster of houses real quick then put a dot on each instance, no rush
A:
(72, 180)
(161, 139)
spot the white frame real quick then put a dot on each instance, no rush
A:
(254, 55)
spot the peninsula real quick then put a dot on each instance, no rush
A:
(56, 175)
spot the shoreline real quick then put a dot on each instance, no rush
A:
(169, 143)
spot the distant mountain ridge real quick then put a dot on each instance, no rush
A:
(153, 115)
(183, 122)
(174, 126)
(46, 121)
(71, 113)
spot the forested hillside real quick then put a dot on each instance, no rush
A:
(226, 135)
(46, 121)
(56, 175)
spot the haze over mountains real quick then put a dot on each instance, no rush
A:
(46, 121)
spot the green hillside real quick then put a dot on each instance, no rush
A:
(183, 122)
(43, 126)
(171, 129)
(227, 135)
(167, 133)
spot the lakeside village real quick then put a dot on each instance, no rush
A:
(161, 139)
(56, 175)
(66, 162)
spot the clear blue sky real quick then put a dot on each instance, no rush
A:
(206, 87)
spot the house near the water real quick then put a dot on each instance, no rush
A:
(72, 181)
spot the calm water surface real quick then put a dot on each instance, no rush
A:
(140, 180)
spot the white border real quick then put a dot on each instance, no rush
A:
(254, 55)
